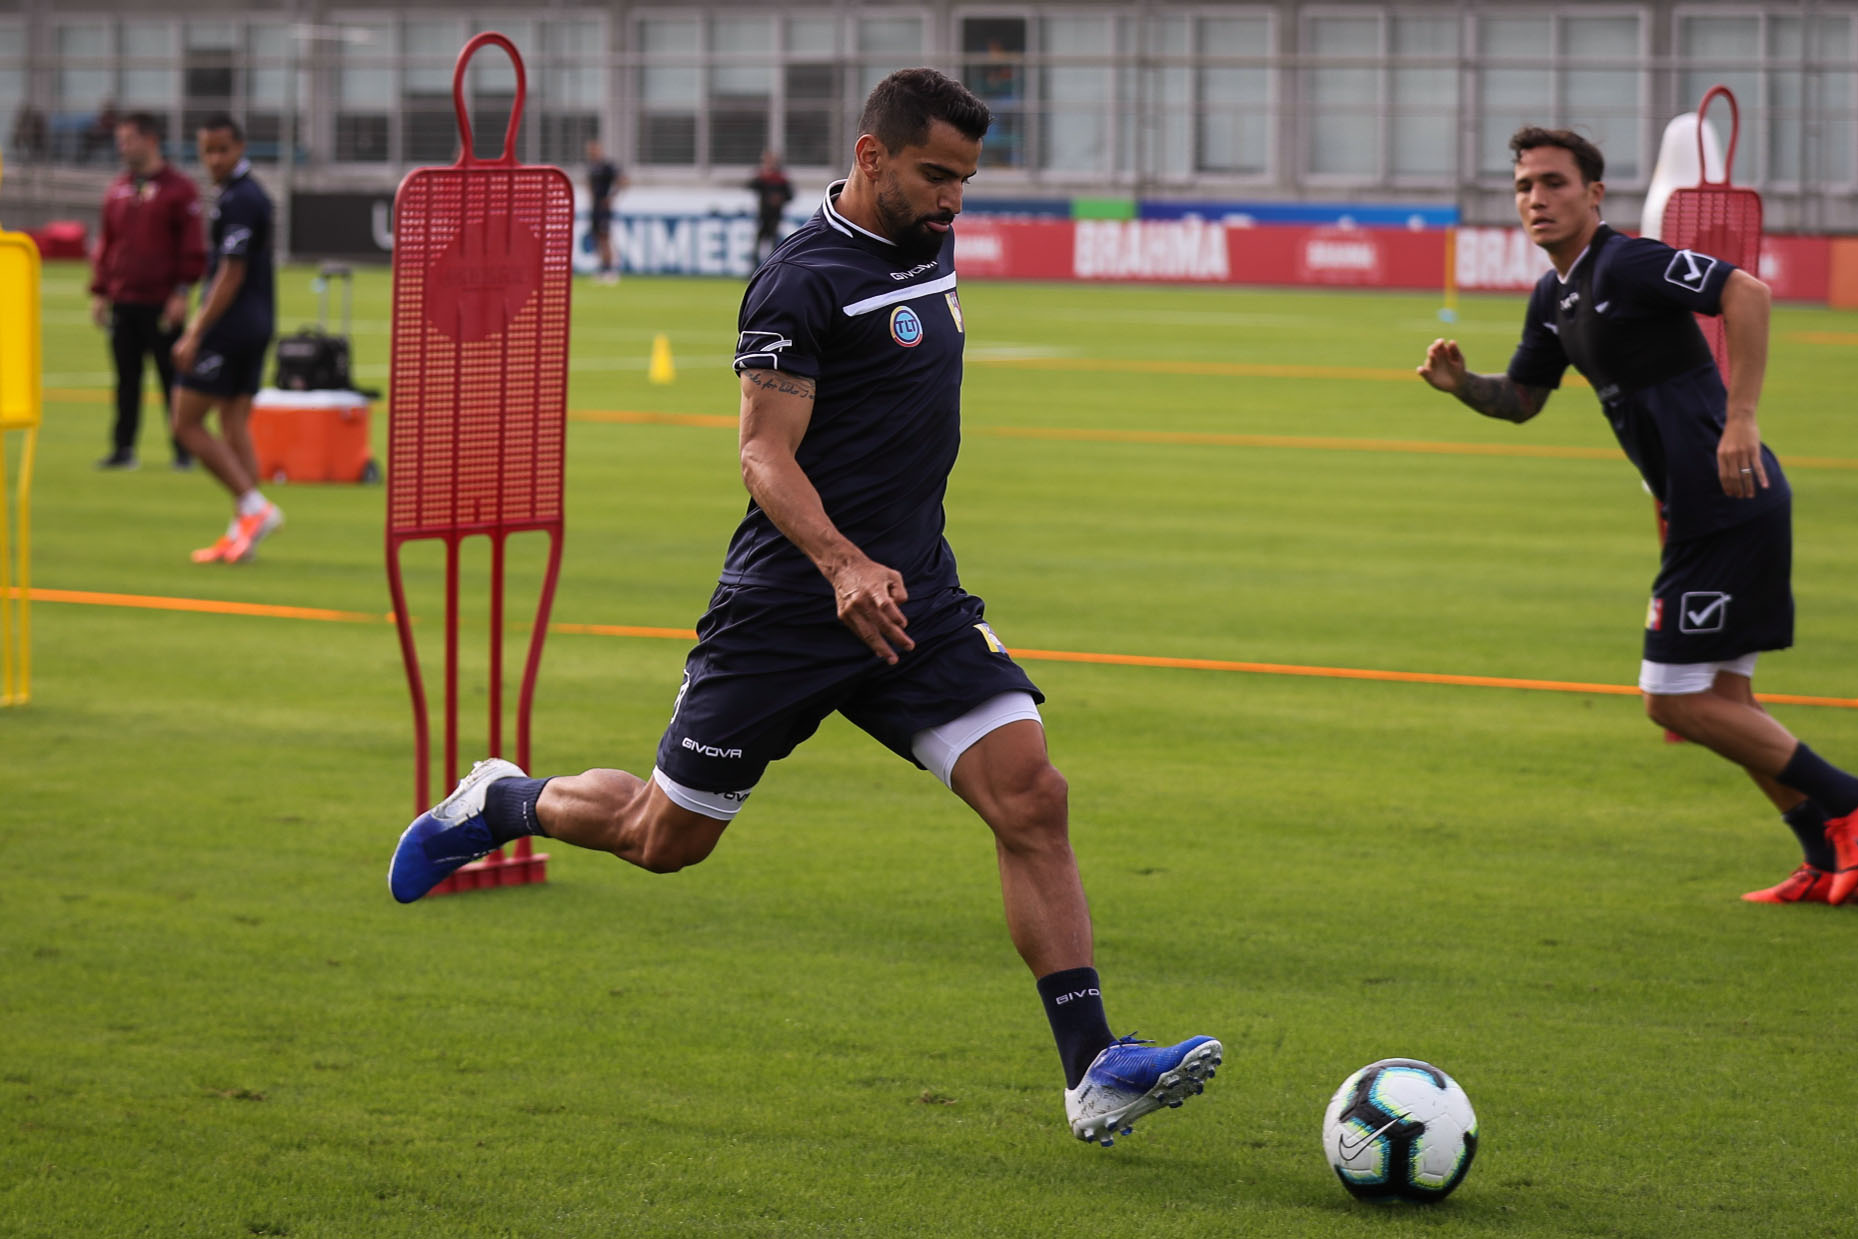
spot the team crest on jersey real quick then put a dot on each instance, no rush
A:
(987, 635)
(1689, 269)
(906, 328)
(954, 311)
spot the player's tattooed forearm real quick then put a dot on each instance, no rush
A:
(781, 384)
(1498, 395)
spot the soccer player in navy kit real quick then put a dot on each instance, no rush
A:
(220, 357)
(1621, 310)
(838, 592)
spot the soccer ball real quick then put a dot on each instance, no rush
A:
(1400, 1129)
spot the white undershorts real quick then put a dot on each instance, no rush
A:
(938, 748)
(1680, 679)
(723, 806)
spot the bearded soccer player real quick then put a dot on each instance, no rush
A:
(1621, 310)
(838, 592)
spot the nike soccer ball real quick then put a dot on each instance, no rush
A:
(1400, 1129)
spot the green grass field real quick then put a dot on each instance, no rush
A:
(217, 1023)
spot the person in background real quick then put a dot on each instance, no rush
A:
(149, 253)
(773, 191)
(604, 181)
(1622, 311)
(221, 355)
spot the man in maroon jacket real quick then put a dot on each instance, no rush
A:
(150, 253)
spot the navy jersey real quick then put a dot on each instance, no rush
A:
(1625, 318)
(881, 336)
(601, 177)
(240, 227)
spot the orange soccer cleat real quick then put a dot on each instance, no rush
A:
(249, 531)
(1842, 834)
(216, 552)
(1807, 884)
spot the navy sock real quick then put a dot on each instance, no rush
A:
(1808, 772)
(1808, 823)
(1074, 1005)
(509, 809)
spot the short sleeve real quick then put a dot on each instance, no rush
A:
(242, 223)
(1539, 360)
(785, 315)
(1657, 274)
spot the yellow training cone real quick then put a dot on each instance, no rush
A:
(662, 369)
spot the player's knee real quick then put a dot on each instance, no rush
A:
(1034, 808)
(660, 845)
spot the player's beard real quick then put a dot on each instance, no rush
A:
(910, 231)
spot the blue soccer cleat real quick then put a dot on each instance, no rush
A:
(449, 835)
(1130, 1079)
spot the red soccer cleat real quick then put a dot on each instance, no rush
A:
(1842, 834)
(1806, 884)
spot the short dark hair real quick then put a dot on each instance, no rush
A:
(900, 109)
(145, 123)
(1587, 156)
(223, 120)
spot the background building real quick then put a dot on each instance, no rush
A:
(1292, 100)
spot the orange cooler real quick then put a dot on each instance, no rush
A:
(312, 436)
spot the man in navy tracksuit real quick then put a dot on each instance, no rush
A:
(1622, 311)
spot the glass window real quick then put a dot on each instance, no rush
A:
(994, 66)
(1512, 94)
(886, 45)
(1344, 122)
(741, 88)
(812, 36)
(1077, 94)
(812, 83)
(670, 90)
(1157, 125)
(1422, 133)
(1235, 97)
(86, 78)
(148, 78)
(367, 89)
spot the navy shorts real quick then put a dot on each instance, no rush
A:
(769, 666)
(600, 221)
(1725, 594)
(226, 367)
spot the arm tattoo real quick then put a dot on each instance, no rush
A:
(781, 384)
(1498, 395)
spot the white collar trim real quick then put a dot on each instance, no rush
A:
(840, 222)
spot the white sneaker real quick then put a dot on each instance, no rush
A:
(1129, 1080)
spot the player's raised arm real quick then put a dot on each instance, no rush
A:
(1745, 322)
(1493, 395)
(776, 409)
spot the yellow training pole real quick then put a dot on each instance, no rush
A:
(21, 408)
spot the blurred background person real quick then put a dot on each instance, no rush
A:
(149, 254)
(604, 181)
(221, 355)
(773, 191)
